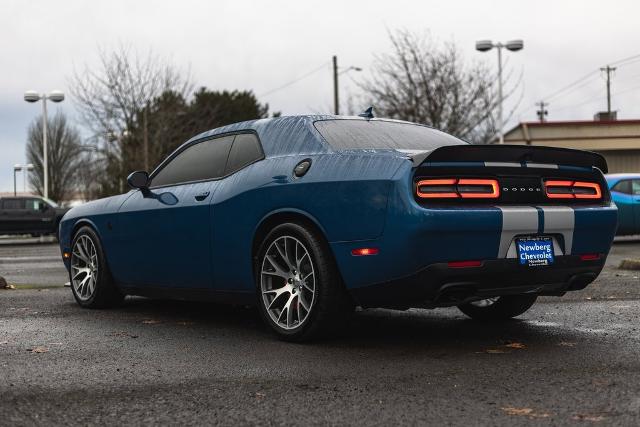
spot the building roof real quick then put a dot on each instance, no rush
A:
(594, 135)
(581, 123)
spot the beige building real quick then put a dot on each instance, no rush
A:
(617, 140)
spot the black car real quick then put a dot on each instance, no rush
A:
(29, 215)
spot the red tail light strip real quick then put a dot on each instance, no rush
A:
(572, 190)
(437, 188)
(494, 194)
(452, 188)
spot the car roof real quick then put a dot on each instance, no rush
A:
(288, 134)
(621, 176)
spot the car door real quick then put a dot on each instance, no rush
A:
(622, 196)
(635, 192)
(40, 217)
(164, 233)
(13, 216)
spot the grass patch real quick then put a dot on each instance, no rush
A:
(28, 286)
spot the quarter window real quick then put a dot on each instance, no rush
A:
(198, 162)
(623, 187)
(635, 187)
(246, 149)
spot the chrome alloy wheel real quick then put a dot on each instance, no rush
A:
(287, 282)
(84, 267)
(485, 302)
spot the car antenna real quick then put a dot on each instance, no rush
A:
(367, 114)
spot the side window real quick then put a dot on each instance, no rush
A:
(246, 149)
(13, 204)
(201, 161)
(623, 187)
(35, 204)
(635, 187)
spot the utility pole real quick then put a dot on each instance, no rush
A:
(542, 112)
(146, 139)
(608, 70)
(336, 103)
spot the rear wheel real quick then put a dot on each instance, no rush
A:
(498, 308)
(91, 281)
(300, 292)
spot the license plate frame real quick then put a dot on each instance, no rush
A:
(535, 251)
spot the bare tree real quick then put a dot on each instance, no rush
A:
(110, 97)
(426, 82)
(64, 156)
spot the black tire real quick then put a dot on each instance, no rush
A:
(506, 307)
(331, 307)
(105, 293)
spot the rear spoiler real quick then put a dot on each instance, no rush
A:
(512, 154)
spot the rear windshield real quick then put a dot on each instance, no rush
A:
(379, 134)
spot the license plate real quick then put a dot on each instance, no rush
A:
(535, 251)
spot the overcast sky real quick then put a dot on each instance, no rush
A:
(261, 45)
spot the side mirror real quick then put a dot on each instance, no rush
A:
(138, 179)
(44, 207)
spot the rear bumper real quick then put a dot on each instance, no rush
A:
(439, 285)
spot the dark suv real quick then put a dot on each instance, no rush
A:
(29, 215)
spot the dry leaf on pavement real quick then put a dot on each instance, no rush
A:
(494, 351)
(525, 412)
(516, 345)
(38, 349)
(587, 417)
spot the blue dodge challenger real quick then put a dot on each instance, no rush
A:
(311, 216)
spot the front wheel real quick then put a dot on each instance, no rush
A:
(498, 308)
(300, 292)
(91, 281)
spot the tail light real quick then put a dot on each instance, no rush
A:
(453, 188)
(572, 190)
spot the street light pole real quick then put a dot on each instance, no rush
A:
(55, 96)
(16, 168)
(336, 103)
(500, 98)
(514, 46)
(45, 151)
(25, 169)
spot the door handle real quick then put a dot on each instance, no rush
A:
(200, 197)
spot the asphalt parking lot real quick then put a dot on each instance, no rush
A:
(572, 360)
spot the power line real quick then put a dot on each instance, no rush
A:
(621, 61)
(595, 98)
(296, 80)
(591, 74)
(583, 81)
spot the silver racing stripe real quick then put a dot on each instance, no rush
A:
(560, 220)
(542, 165)
(516, 220)
(503, 164)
